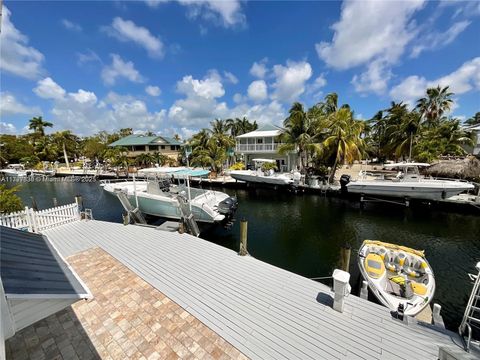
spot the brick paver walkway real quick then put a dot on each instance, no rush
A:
(126, 319)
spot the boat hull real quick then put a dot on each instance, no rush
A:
(254, 177)
(416, 190)
(378, 286)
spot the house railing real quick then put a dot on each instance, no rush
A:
(37, 221)
(257, 147)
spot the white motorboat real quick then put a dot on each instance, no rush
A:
(263, 177)
(400, 277)
(408, 183)
(15, 170)
(159, 197)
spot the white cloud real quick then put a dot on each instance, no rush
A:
(120, 69)
(88, 56)
(16, 57)
(126, 30)
(271, 113)
(259, 69)
(84, 97)
(257, 90)
(227, 12)
(436, 40)
(69, 25)
(49, 89)
(466, 78)
(370, 30)
(290, 80)
(230, 77)
(7, 128)
(9, 105)
(153, 90)
(210, 87)
(375, 79)
(318, 83)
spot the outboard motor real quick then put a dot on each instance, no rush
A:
(344, 180)
(228, 206)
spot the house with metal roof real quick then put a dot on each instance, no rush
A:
(475, 149)
(140, 144)
(35, 281)
(264, 143)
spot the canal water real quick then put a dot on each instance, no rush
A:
(304, 233)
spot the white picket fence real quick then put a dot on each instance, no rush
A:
(37, 221)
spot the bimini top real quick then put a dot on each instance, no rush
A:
(406, 164)
(177, 172)
(31, 268)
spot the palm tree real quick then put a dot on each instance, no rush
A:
(343, 139)
(67, 140)
(219, 127)
(38, 125)
(240, 126)
(159, 158)
(46, 149)
(144, 159)
(300, 133)
(474, 120)
(435, 104)
(212, 155)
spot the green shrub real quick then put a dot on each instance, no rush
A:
(268, 166)
(9, 201)
(237, 166)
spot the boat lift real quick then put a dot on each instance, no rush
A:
(471, 318)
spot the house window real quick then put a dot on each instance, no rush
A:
(259, 141)
(139, 148)
(162, 147)
(153, 147)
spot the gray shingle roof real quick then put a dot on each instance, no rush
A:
(30, 266)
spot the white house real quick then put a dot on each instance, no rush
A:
(264, 143)
(476, 147)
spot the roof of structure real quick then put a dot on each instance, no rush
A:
(262, 310)
(32, 268)
(266, 130)
(144, 140)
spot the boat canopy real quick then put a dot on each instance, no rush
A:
(406, 164)
(264, 160)
(177, 172)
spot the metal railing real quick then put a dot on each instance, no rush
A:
(257, 147)
(471, 318)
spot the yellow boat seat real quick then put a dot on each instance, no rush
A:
(374, 265)
(418, 288)
(400, 280)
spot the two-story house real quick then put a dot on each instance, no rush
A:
(475, 150)
(139, 144)
(263, 143)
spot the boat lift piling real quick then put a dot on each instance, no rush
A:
(243, 237)
(345, 253)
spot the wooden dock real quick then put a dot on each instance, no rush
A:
(262, 310)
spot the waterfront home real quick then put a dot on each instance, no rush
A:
(140, 144)
(475, 150)
(264, 143)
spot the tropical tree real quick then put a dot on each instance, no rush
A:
(435, 104)
(342, 140)
(38, 125)
(300, 133)
(46, 149)
(474, 120)
(160, 158)
(219, 127)
(67, 141)
(240, 126)
(211, 155)
(9, 200)
(145, 159)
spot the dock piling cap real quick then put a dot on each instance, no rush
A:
(341, 276)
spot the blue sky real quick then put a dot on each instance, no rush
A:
(173, 66)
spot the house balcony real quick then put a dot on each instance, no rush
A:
(257, 148)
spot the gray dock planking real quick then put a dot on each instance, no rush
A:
(264, 311)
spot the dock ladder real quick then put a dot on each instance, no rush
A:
(133, 213)
(471, 318)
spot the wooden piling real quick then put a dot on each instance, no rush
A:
(34, 203)
(345, 252)
(79, 201)
(243, 237)
(55, 203)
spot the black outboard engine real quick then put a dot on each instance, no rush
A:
(344, 180)
(228, 206)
